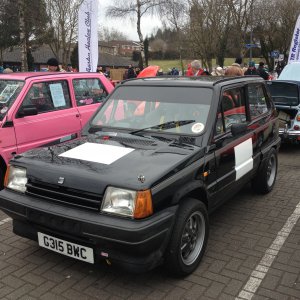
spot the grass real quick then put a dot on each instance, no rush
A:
(169, 64)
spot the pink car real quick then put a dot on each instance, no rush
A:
(38, 108)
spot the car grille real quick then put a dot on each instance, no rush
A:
(63, 195)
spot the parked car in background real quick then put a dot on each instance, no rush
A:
(285, 92)
(136, 189)
(37, 108)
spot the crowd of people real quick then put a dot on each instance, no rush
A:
(193, 69)
(236, 69)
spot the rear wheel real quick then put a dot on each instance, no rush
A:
(265, 179)
(189, 238)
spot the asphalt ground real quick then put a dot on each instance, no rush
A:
(253, 253)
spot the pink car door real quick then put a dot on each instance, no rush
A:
(55, 118)
(89, 94)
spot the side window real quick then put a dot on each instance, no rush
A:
(89, 91)
(231, 110)
(258, 101)
(48, 96)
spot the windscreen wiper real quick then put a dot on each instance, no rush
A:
(164, 126)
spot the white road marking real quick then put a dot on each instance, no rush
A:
(5, 221)
(264, 265)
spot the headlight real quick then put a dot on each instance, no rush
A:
(16, 179)
(127, 202)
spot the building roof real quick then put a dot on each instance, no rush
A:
(43, 53)
(109, 60)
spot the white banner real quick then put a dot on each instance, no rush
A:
(87, 36)
(294, 54)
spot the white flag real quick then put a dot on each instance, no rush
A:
(294, 54)
(87, 36)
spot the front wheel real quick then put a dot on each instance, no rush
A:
(189, 238)
(265, 179)
(2, 175)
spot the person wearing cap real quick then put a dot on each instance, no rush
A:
(262, 72)
(218, 71)
(53, 65)
(252, 71)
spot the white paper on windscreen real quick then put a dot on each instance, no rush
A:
(103, 154)
(57, 94)
(7, 92)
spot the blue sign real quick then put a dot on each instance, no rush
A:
(250, 46)
(275, 54)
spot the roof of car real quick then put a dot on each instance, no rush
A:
(290, 72)
(26, 75)
(208, 81)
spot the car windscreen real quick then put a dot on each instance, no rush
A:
(9, 91)
(172, 109)
(284, 93)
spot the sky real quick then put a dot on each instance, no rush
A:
(148, 23)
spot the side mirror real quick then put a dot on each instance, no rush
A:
(29, 110)
(239, 128)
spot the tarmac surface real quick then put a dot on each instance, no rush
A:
(253, 253)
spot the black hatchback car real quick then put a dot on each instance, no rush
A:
(137, 188)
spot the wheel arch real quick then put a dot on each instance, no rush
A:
(264, 154)
(3, 168)
(195, 189)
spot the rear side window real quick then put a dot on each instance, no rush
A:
(48, 96)
(231, 110)
(258, 100)
(89, 91)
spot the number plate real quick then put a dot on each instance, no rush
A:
(66, 248)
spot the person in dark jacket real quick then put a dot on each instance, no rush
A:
(131, 73)
(251, 69)
(262, 72)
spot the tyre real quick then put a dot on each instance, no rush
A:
(2, 174)
(265, 179)
(189, 238)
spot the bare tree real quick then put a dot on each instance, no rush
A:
(23, 40)
(135, 10)
(63, 25)
(158, 45)
(110, 34)
(174, 14)
(242, 21)
(208, 26)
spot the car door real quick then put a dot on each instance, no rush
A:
(262, 123)
(55, 117)
(233, 151)
(89, 95)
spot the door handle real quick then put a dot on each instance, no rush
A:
(77, 115)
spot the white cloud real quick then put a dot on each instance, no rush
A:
(126, 26)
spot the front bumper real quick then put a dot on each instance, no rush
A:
(137, 245)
